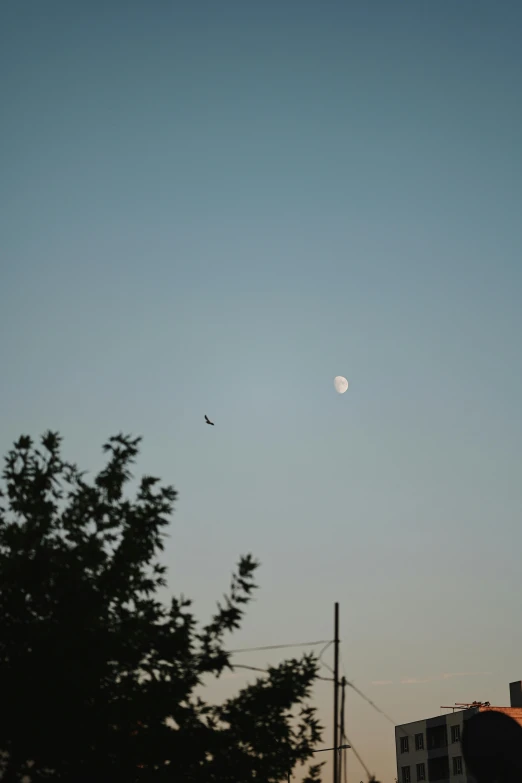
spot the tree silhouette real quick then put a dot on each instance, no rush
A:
(99, 680)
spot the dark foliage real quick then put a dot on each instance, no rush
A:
(99, 679)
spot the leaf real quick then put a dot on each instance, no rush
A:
(85, 638)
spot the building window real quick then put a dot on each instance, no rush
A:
(438, 769)
(457, 765)
(405, 745)
(455, 733)
(406, 777)
(419, 742)
(421, 772)
(436, 737)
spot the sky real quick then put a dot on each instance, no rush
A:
(215, 208)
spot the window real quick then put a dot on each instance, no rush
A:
(438, 769)
(421, 771)
(436, 737)
(405, 745)
(406, 778)
(457, 765)
(455, 733)
(419, 743)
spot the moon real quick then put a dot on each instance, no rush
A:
(340, 384)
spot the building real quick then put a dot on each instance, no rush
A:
(429, 750)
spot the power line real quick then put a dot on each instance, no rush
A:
(363, 696)
(343, 733)
(267, 671)
(375, 707)
(327, 645)
(370, 702)
(251, 668)
(342, 665)
(326, 679)
(357, 756)
(280, 646)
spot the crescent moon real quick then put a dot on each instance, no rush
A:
(340, 384)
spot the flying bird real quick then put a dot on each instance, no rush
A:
(208, 421)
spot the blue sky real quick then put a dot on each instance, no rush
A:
(218, 207)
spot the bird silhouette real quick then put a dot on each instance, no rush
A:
(208, 421)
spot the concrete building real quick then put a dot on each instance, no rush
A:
(429, 750)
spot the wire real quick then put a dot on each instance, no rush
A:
(343, 733)
(370, 702)
(362, 695)
(342, 662)
(257, 669)
(280, 646)
(357, 756)
(327, 645)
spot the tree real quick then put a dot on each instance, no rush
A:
(99, 680)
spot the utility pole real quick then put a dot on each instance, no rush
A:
(342, 757)
(336, 696)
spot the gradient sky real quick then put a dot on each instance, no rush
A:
(216, 207)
